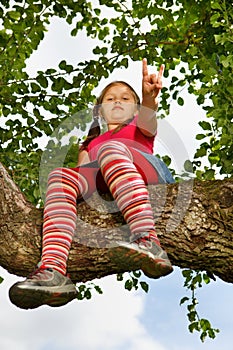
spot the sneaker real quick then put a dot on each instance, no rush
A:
(143, 255)
(44, 286)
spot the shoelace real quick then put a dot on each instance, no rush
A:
(145, 238)
(148, 245)
(145, 243)
(35, 275)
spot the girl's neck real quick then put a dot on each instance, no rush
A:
(112, 126)
(117, 126)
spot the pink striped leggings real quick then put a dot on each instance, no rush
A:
(124, 172)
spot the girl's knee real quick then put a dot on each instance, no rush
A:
(57, 172)
(114, 148)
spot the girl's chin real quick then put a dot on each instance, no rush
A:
(116, 121)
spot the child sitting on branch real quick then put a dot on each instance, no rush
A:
(123, 156)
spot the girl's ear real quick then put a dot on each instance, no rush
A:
(96, 110)
(136, 109)
(100, 112)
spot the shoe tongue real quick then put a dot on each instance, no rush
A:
(49, 269)
(143, 240)
(139, 236)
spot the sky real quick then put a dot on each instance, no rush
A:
(118, 319)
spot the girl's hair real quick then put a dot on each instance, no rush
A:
(94, 130)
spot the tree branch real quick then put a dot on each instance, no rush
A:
(193, 220)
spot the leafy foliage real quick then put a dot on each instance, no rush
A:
(85, 290)
(194, 280)
(133, 281)
(194, 37)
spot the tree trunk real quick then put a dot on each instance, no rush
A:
(193, 220)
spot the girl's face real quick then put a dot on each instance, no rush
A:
(118, 104)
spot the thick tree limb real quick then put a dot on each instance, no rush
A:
(194, 221)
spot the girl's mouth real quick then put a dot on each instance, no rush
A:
(117, 107)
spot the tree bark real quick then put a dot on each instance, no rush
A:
(193, 220)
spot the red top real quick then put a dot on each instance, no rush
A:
(130, 135)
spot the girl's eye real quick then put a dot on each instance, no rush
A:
(125, 98)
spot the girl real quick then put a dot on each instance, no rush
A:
(124, 156)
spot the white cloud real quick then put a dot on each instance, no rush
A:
(117, 320)
(110, 321)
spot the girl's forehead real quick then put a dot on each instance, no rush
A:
(119, 88)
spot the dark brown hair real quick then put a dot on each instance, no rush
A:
(94, 130)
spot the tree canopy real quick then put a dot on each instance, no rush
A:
(194, 37)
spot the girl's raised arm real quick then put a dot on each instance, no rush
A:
(151, 86)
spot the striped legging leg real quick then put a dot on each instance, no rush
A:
(64, 187)
(128, 188)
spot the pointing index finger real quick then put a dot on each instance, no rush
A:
(144, 68)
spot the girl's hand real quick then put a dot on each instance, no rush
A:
(151, 85)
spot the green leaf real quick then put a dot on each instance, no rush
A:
(205, 125)
(200, 136)
(201, 152)
(167, 160)
(135, 282)
(203, 336)
(97, 11)
(206, 278)
(188, 166)
(124, 62)
(209, 174)
(194, 326)
(98, 289)
(205, 324)
(191, 308)
(216, 5)
(137, 273)
(183, 300)
(182, 70)
(66, 67)
(187, 273)
(120, 277)
(144, 286)
(192, 316)
(180, 101)
(42, 80)
(15, 15)
(30, 121)
(129, 285)
(212, 333)
(88, 294)
(35, 88)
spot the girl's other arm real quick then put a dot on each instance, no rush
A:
(83, 158)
